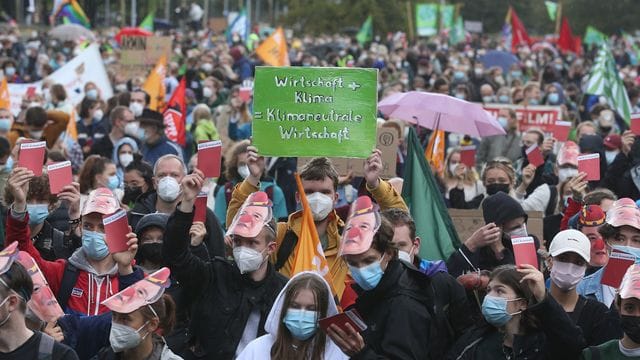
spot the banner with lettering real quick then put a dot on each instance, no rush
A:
(309, 111)
(139, 54)
(542, 117)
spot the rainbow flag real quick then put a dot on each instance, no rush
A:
(73, 13)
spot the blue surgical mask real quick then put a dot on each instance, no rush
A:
(94, 245)
(8, 166)
(553, 98)
(533, 102)
(301, 323)
(113, 182)
(503, 122)
(37, 213)
(5, 124)
(92, 94)
(488, 99)
(458, 75)
(503, 99)
(516, 74)
(629, 250)
(494, 310)
(367, 277)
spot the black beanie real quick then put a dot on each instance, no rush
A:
(500, 208)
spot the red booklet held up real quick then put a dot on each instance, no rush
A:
(534, 155)
(524, 250)
(59, 176)
(615, 269)
(468, 156)
(350, 317)
(209, 155)
(201, 207)
(590, 164)
(561, 130)
(32, 156)
(116, 228)
(635, 123)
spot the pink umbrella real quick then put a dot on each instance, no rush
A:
(442, 112)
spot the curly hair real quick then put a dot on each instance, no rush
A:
(38, 191)
(231, 159)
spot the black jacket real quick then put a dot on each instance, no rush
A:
(598, 323)
(618, 176)
(214, 240)
(482, 258)
(396, 313)
(556, 338)
(223, 298)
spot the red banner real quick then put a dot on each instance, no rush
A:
(542, 117)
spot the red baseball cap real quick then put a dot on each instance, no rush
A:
(613, 142)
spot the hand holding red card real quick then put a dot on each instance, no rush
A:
(350, 317)
(635, 123)
(615, 269)
(201, 207)
(468, 156)
(32, 156)
(245, 93)
(590, 164)
(59, 176)
(534, 155)
(116, 228)
(561, 130)
(524, 251)
(209, 155)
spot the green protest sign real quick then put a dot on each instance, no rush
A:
(308, 111)
(427, 19)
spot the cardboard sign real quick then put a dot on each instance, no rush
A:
(534, 155)
(139, 54)
(561, 130)
(60, 175)
(43, 303)
(116, 228)
(200, 213)
(635, 123)
(468, 156)
(615, 269)
(315, 111)
(541, 117)
(467, 222)
(590, 164)
(209, 157)
(32, 156)
(350, 317)
(524, 251)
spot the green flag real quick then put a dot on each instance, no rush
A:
(427, 19)
(366, 32)
(147, 22)
(447, 13)
(594, 36)
(631, 45)
(605, 81)
(420, 192)
(552, 9)
(456, 34)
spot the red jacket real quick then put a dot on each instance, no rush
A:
(90, 288)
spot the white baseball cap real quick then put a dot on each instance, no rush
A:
(571, 241)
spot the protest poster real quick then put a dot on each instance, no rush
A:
(116, 228)
(541, 117)
(141, 53)
(312, 111)
(467, 222)
(426, 19)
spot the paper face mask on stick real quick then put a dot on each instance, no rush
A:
(362, 225)
(145, 292)
(254, 214)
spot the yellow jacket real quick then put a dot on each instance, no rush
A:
(385, 195)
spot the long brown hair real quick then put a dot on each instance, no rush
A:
(510, 277)
(312, 348)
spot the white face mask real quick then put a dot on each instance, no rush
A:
(566, 173)
(610, 155)
(134, 129)
(519, 232)
(243, 171)
(567, 275)
(207, 92)
(36, 134)
(126, 159)
(168, 189)
(247, 259)
(452, 168)
(123, 337)
(321, 205)
(98, 114)
(405, 256)
(136, 108)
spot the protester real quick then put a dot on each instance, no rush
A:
(464, 188)
(39, 125)
(97, 172)
(154, 141)
(120, 118)
(501, 145)
(137, 180)
(591, 219)
(89, 125)
(125, 151)
(292, 325)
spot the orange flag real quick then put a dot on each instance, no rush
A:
(154, 85)
(273, 50)
(5, 99)
(309, 253)
(72, 131)
(434, 152)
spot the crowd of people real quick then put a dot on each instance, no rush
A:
(227, 287)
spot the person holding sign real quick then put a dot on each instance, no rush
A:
(464, 188)
(91, 273)
(292, 325)
(522, 321)
(501, 145)
(239, 294)
(623, 174)
(320, 182)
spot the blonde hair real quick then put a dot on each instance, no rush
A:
(501, 164)
(470, 176)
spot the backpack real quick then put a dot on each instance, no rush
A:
(69, 279)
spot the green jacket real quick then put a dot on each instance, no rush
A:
(608, 351)
(205, 131)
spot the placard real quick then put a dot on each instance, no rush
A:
(116, 228)
(635, 124)
(467, 222)
(209, 157)
(139, 54)
(615, 269)
(524, 251)
(315, 111)
(534, 155)
(200, 212)
(32, 156)
(541, 117)
(561, 130)
(590, 164)
(468, 156)
(60, 175)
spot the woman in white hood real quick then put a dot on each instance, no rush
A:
(294, 332)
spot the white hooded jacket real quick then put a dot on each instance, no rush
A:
(260, 348)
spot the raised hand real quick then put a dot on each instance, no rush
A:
(534, 280)
(71, 194)
(373, 169)
(18, 185)
(124, 258)
(484, 236)
(256, 164)
(197, 233)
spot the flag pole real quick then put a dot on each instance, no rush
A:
(559, 17)
(410, 19)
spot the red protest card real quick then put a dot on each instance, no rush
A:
(201, 207)
(535, 155)
(245, 93)
(468, 156)
(32, 156)
(209, 155)
(561, 130)
(524, 250)
(116, 228)
(350, 317)
(590, 164)
(617, 266)
(59, 176)
(635, 123)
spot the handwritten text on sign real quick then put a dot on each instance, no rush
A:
(315, 111)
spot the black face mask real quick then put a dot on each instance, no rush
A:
(495, 188)
(131, 193)
(605, 129)
(631, 327)
(152, 252)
